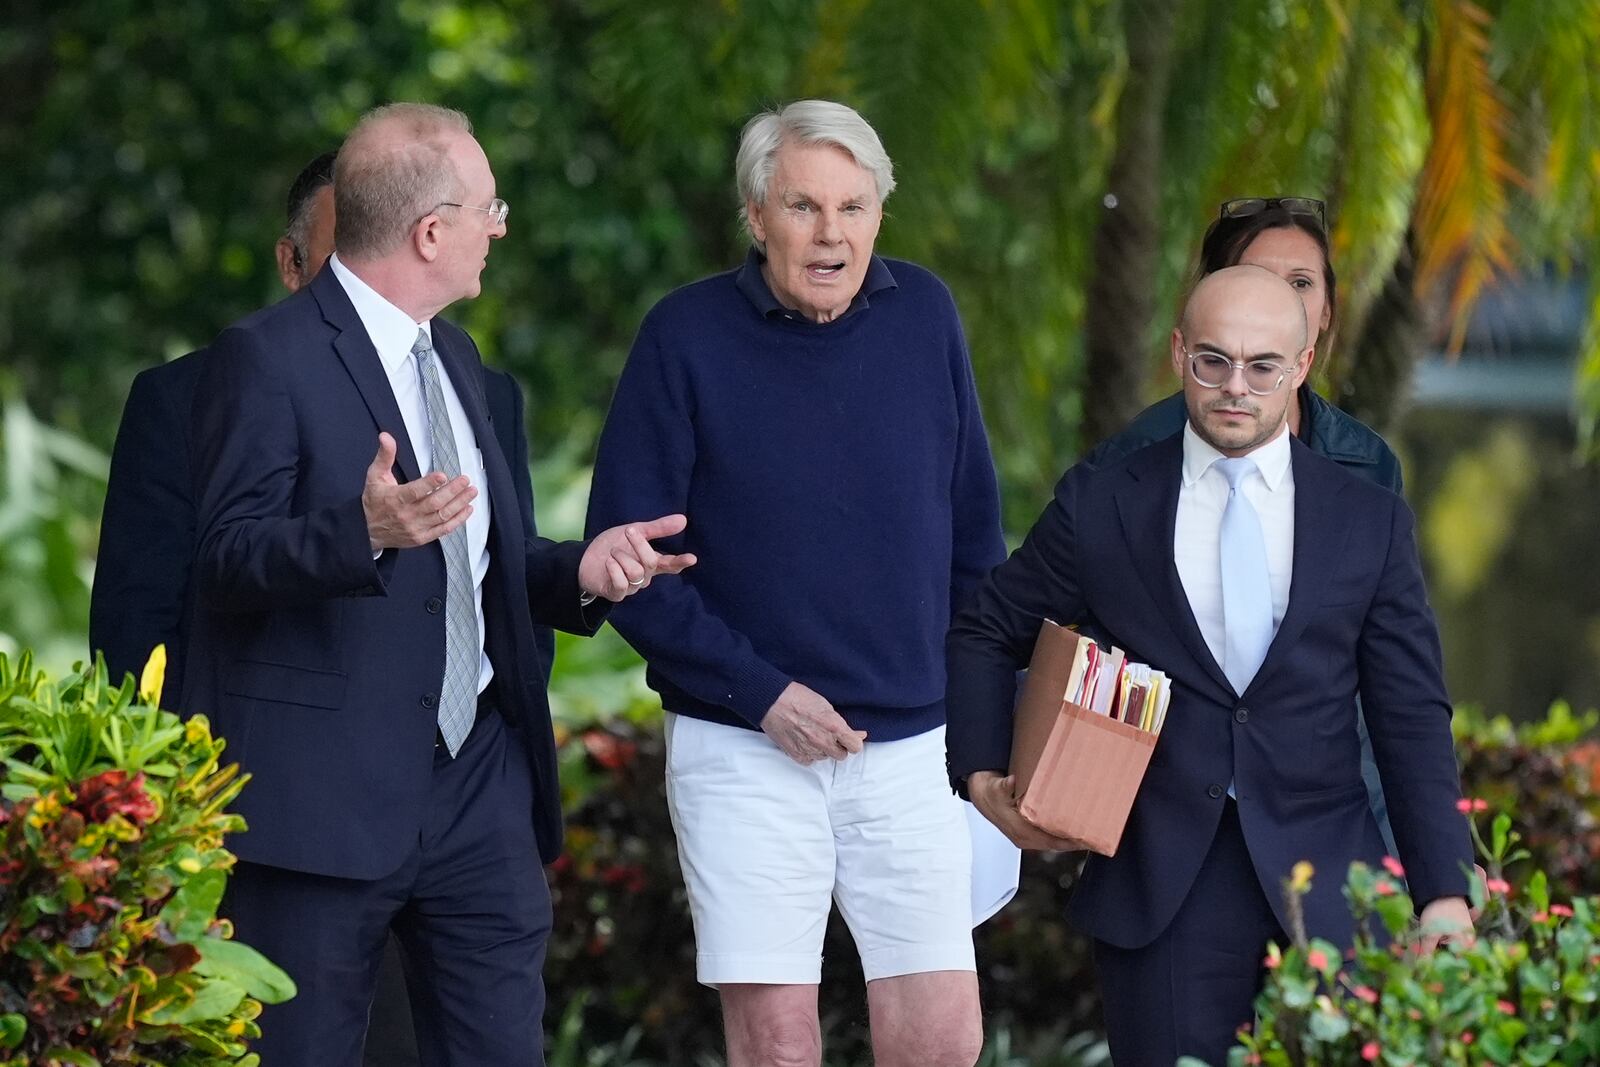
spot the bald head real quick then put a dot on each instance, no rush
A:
(1247, 293)
(394, 168)
(1241, 350)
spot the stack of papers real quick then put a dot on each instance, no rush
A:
(1105, 683)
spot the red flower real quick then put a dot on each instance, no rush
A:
(112, 793)
(1498, 885)
(1370, 1051)
(1466, 1037)
(1366, 993)
(1318, 959)
(1271, 962)
(1541, 916)
(1506, 1007)
(608, 750)
(1561, 910)
(1392, 865)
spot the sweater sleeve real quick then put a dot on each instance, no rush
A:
(643, 469)
(977, 543)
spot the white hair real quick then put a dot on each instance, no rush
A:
(808, 122)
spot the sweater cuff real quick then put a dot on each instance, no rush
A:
(754, 687)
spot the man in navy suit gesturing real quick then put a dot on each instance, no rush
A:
(367, 641)
(1271, 586)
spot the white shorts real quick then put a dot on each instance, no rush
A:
(765, 843)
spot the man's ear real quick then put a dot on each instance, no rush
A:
(1308, 357)
(1177, 352)
(758, 226)
(288, 273)
(425, 237)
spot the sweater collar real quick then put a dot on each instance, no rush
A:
(750, 282)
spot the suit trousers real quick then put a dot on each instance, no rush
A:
(1189, 991)
(469, 906)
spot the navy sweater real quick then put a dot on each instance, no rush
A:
(839, 488)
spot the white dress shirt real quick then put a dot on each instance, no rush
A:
(393, 332)
(1196, 541)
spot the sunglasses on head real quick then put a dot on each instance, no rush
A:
(1246, 206)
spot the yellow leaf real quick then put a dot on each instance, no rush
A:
(155, 673)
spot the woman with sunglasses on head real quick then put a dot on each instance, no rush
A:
(1288, 236)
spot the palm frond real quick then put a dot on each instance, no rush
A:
(1385, 141)
(1464, 239)
(1547, 50)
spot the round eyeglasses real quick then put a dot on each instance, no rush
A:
(1213, 370)
(497, 210)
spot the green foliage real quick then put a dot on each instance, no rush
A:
(52, 485)
(112, 821)
(1524, 992)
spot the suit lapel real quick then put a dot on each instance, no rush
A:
(1321, 529)
(1147, 505)
(360, 359)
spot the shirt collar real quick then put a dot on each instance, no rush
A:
(753, 284)
(392, 331)
(1272, 458)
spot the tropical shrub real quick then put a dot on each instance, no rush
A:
(1524, 992)
(1545, 775)
(112, 864)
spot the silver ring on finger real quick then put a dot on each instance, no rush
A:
(636, 582)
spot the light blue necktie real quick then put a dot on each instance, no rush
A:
(1246, 584)
(458, 695)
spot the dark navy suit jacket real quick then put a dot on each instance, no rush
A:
(319, 664)
(143, 590)
(1357, 620)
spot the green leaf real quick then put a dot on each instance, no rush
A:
(76, 1057)
(13, 1028)
(1500, 835)
(239, 963)
(1329, 1026)
(212, 999)
(193, 907)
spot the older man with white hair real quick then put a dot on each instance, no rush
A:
(813, 413)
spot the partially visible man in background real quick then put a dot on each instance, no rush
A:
(141, 595)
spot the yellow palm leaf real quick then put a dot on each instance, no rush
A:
(1463, 235)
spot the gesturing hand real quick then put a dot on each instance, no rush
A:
(416, 513)
(619, 562)
(805, 726)
(995, 797)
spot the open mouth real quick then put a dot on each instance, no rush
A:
(824, 269)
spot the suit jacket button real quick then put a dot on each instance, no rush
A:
(429, 700)
(434, 605)
(1215, 791)
(1241, 715)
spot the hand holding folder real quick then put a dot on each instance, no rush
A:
(995, 797)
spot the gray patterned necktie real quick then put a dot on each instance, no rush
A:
(458, 697)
